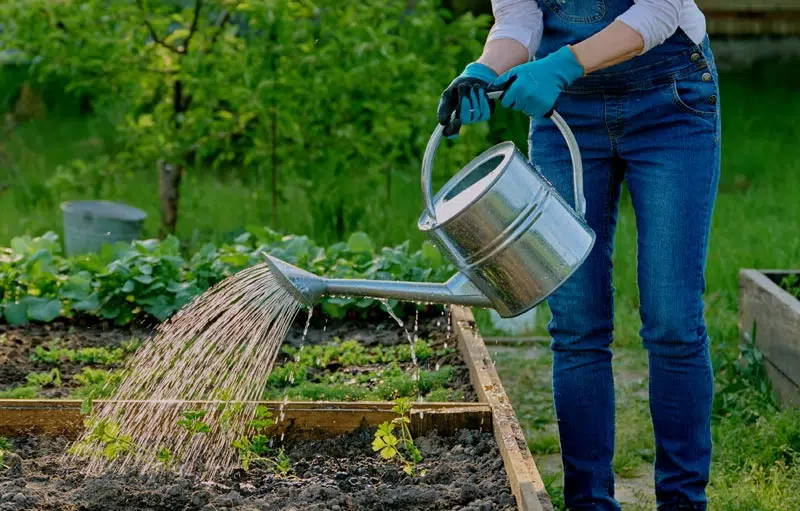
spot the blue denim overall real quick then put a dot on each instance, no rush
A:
(653, 122)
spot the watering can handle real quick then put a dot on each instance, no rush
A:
(572, 144)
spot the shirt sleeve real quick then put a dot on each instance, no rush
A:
(655, 20)
(520, 20)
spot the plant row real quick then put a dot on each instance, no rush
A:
(152, 279)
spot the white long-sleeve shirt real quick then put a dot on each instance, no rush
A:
(655, 20)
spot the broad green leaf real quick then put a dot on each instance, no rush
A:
(90, 304)
(431, 253)
(388, 453)
(128, 287)
(16, 313)
(359, 242)
(78, 287)
(44, 310)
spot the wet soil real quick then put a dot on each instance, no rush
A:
(464, 472)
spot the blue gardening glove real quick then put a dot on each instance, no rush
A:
(466, 96)
(533, 87)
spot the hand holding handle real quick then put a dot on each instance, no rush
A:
(572, 145)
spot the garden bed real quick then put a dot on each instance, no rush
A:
(341, 388)
(769, 310)
(464, 471)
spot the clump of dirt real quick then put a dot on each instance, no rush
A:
(464, 472)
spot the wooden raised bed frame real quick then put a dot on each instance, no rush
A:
(493, 412)
(776, 315)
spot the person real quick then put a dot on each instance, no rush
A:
(638, 85)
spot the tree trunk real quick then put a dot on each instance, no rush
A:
(169, 182)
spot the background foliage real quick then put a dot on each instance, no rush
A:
(305, 103)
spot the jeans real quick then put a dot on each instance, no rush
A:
(657, 128)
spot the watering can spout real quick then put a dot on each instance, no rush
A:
(309, 288)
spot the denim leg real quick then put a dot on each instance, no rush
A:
(582, 308)
(673, 160)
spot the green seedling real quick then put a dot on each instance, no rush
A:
(5, 447)
(45, 379)
(191, 421)
(105, 434)
(255, 449)
(390, 446)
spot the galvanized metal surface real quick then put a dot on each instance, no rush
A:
(504, 225)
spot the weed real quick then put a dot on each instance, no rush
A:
(543, 443)
(389, 446)
(791, 283)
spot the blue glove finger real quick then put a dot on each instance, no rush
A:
(486, 111)
(476, 96)
(513, 96)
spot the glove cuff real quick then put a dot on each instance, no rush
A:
(570, 68)
(479, 71)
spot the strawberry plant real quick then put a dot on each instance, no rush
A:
(390, 446)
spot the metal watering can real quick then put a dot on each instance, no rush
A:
(513, 239)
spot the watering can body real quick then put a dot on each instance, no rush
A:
(513, 238)
(505, 227)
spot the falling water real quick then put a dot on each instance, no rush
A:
(217, 350)
(411, 341)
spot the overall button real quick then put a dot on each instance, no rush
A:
(712, 99)
(695, 57)
(706, 77)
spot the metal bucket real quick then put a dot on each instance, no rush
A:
(504, 225)
(88, 225)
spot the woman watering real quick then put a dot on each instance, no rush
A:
(637, 84)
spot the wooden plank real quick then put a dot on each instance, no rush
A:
(20, 417)
(776, 314)
(526, 482)
(786, 390)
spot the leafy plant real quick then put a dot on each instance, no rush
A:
(5, 447)
(255, 449)
(52, 377)
(390, 446)
(151, 279)
(745, 390)
(191, 421)
(791, 283)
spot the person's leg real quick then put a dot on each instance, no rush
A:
(582, 308)
(672, 150)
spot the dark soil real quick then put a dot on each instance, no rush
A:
(18, 343)
(463, 473)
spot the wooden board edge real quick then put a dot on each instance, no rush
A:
(526, 481)
(19, 417)
(786, 391)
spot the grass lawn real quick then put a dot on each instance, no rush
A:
(756, 224)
